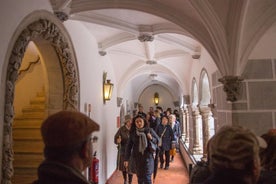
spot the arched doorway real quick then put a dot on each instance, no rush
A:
(61, 92)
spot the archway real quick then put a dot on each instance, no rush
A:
(45, 34)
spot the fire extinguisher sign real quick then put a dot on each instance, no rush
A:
(94, 171)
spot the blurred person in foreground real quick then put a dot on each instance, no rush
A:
(234, 156)
(68, 148)
(268, 159)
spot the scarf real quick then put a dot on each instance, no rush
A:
(143, 143)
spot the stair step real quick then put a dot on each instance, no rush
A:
(28, 146)
(36, 115)
(27, 134)
(23, 160)
(40, 94)
(22, 122)
(38, 100)
(24, 179)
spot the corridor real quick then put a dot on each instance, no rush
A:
(176, 173)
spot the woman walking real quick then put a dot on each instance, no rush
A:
(139, 146)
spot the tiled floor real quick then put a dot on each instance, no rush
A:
(177, 174)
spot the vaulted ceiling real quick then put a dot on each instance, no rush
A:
(156, 42)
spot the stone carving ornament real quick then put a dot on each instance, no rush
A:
(42, 29)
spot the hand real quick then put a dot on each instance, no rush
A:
(149, 136)
(119, 140)
(126, 164)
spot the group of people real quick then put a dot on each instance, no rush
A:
(237, 155)
(135, 139)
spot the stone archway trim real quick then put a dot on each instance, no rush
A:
(42, 29)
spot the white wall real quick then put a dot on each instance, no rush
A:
(146, 98)
(91, 67)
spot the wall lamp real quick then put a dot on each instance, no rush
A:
(107, 88)
(156, 98)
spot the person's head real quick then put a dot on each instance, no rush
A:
(160, 109)
(128, 119)
(268, 155)
(67, 137)
(172, 118)
(236, 148)
(157, 113)
(141, 108)
(165, 120)
(139, 122)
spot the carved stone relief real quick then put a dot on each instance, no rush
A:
(46, 30)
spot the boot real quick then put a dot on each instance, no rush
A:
(125, 177)
(130, 178)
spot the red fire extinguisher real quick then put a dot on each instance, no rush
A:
(94, 170)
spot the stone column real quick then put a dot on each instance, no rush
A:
(182, 122)
(196, 117)
(187, 125)
(205, 112)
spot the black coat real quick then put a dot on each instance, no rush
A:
(50, 172)
(167, 137)
(144, 162)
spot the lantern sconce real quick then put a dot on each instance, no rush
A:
(107, 88)
(156, 98)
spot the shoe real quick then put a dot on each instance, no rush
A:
(167, 167)
(161, 166)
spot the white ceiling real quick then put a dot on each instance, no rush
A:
(227, 29)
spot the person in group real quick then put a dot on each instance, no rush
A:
(141, 111)
(268, 159)
(165, 132)
(138, 147)
(168, 112)
(68, 148)
(234, 156)
(160, 109)
(177, 134)
(121, 137)
(176, 113)
(157, 120)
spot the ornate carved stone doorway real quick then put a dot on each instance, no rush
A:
(49, 38)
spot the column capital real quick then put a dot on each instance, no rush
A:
(231, 85)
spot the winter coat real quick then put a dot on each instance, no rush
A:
(124, 133)
(144, 162)
(50, 172)
(267, 177)
(167, 137)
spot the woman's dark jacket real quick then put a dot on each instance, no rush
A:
(168, 136)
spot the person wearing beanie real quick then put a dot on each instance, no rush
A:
(67, 148)
(234, 156)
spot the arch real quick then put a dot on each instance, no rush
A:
(47, 32)
(204, 88)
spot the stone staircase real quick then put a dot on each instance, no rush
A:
(27, 141)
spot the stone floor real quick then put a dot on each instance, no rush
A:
(177, 174)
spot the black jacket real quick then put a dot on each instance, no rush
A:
(56, 173)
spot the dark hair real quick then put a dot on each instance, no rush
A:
(133, 126)
(165, 117)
